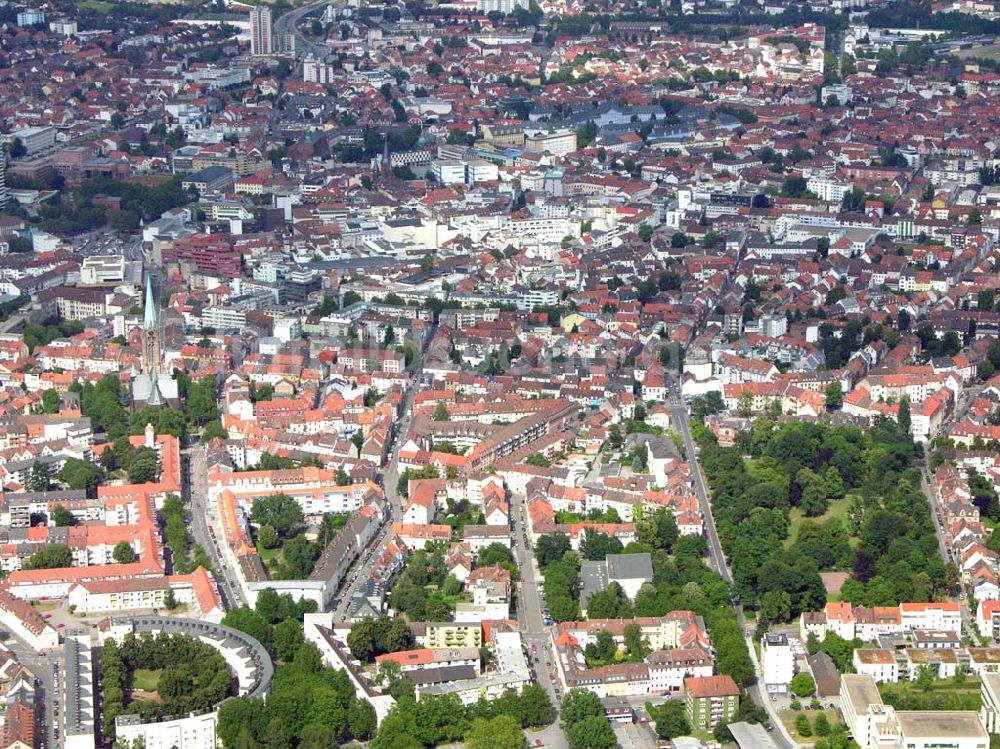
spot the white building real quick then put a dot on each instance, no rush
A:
(829, 190)
(875, 725)
(778, 662)
(193, 732)
(34, 139)
(878, 663)
(260, 30)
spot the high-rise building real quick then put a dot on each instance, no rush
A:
(3, 177)
(260, 31)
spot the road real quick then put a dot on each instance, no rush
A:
(964, 400)
(536, 636)
(194, 493)
(43, 666)
(717, 560)
(289, 23)
(390, 478)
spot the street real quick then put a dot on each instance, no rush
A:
(43, 665)
(194, 493)
(717, 560)
(536, 636)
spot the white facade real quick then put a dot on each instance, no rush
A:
(195, 732)
(260, 31)
(778, 663)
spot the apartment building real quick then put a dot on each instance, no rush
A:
(710, 700)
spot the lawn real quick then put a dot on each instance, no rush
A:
(146, 680)
(788, 718)
(839, 508)
(98, 5)
(45, 606)
(266, 555)
(944, 694)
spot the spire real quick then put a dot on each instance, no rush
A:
(150, 320)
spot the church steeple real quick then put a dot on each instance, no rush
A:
(151, 346)
(150, 319)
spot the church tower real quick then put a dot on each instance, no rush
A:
(151, 347)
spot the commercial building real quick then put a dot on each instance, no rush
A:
(778, 662)
(34, 139)
(875, 725)
(209, 179)
(102, 269)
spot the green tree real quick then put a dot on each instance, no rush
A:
(279, 511)
(50, 401)
(123, 553)
(62, 517)
(670, 719)
(501, 732)
(802, 685)
(579, 704)
(591, 733)
(80, 475)
(50, 557)
(441, 412)
(834, 395)
(802, 725)
(38, 478)
(144, 466)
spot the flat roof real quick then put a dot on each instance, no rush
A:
(949, 724)
(861, 691)
(752, 736)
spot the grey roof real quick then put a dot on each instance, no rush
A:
(752, 736)
(630, 567)
(593, 579)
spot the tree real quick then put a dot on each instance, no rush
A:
(213, 430)
(123, 553)
(579, 704)
(645, 233)
(62, 517)
(551, 547)
(775, 606)
(50, 557)
(802, 685)
(80, 475)
(536, 708)
(903, 417)
(802, 725)
(441, 412)
(834, 395)
(279, 511)
(288, 638)
(50, 401)
(670, 719)
(594, 732)
(821, 725)
(38, 478)
(143, 466)
(361, 719)
(501, 732)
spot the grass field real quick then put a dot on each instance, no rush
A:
(266, 555)
(98, 5)
(945, 694)
(788, 718)
(45, 606)
(145, 680)
(839, 508)
(991, 52)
